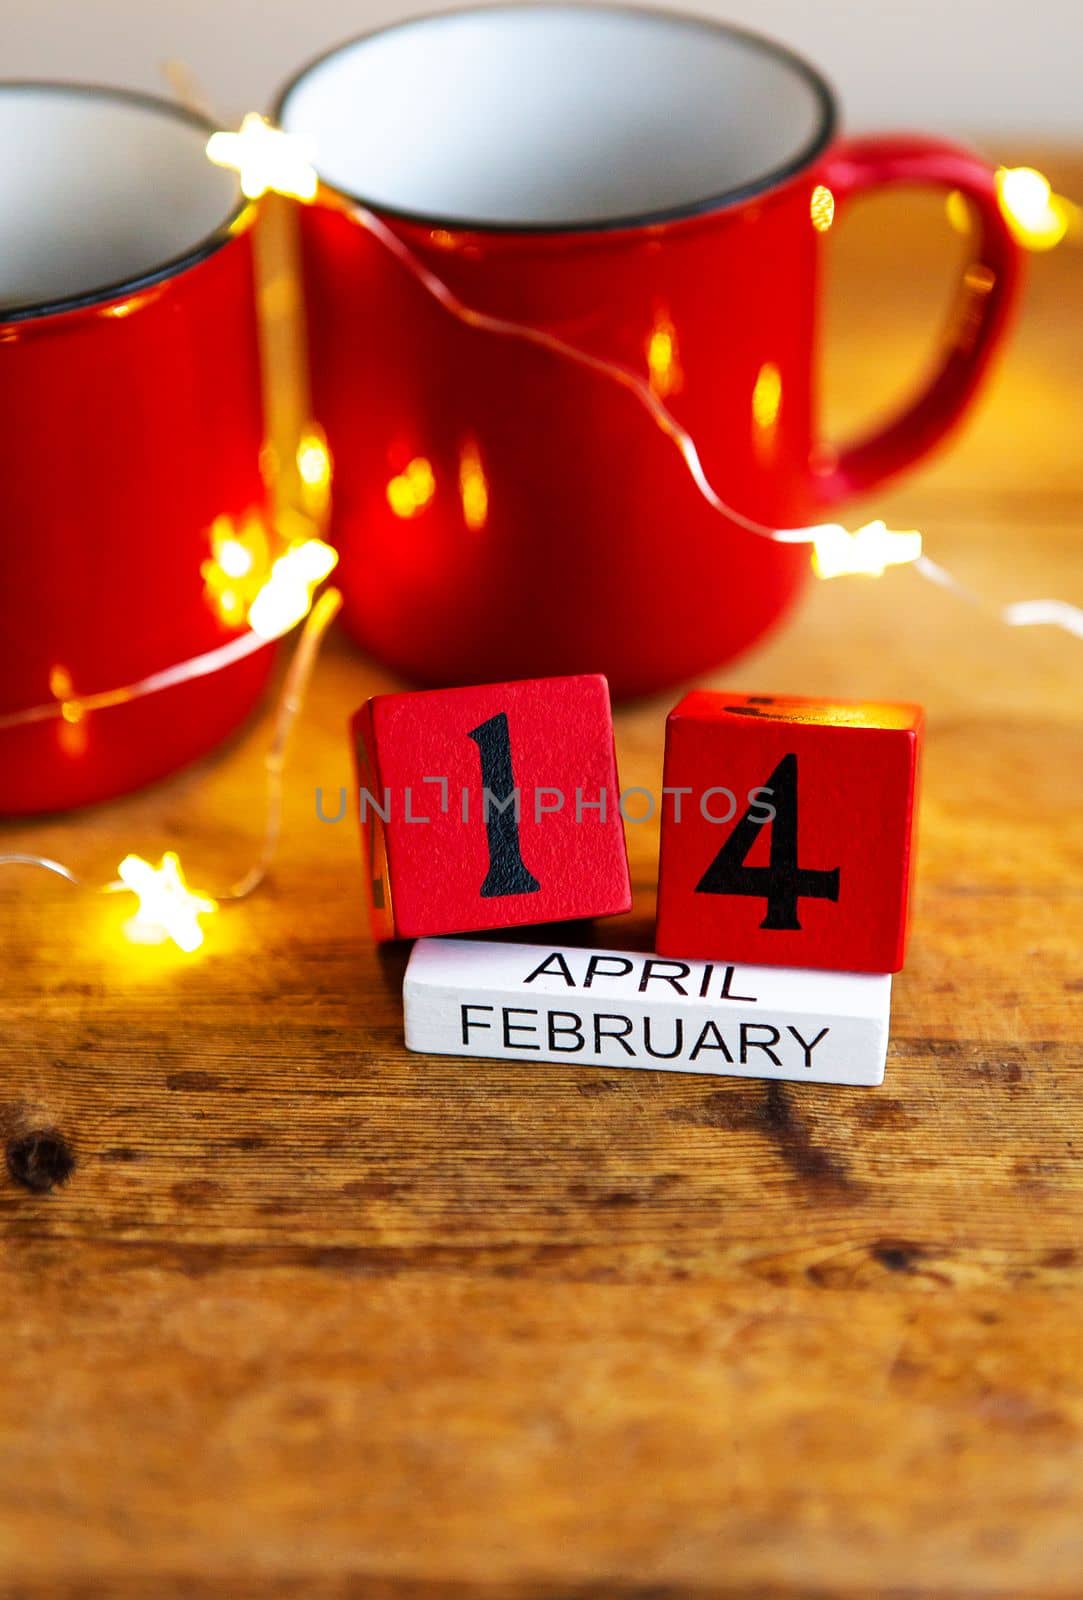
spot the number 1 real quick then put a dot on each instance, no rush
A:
(507, 874)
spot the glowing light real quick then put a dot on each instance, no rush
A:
(234, 558)
(238, 566)
(660, 351)
(473, 488)
(821, 208)
(314, 470)
(73, 738)
(422, 481)
(168, 909)
(314, 461)
(767, 396)
(1036, 216)
(266, 158)
(663, 359)
(72, 729)
(957, 211)
(244, 584)
(409, 492)
(400, 498)
(286, 598)
(62, 689)
(867, 553)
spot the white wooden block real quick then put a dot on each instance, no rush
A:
(618, 1008)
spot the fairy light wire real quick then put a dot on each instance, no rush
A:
(890, 548)
(200, 666)
(19, 859)
(882, 547)
(290, 705)
(508, 328)
(288, 708)
(836, 551)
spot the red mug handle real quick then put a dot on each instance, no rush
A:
(987, 294)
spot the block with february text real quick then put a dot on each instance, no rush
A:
(618, 1008)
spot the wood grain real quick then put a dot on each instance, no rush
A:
(311, 1317)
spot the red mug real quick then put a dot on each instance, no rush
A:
(653, 189)
(130, 420)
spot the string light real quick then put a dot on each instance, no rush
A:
(201, 666)
(410, 491)
(238, 566)
(1037, 217)
(285, 592)
(1026, 198)
(836, 553)
(236, 561)
(282, 601)
(267, 159)
(834, 550)
(286, 598)
(167, 909)
(872, 548)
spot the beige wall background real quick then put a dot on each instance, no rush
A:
(1006, 68)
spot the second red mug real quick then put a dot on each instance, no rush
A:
(654, 189)
(131, 426)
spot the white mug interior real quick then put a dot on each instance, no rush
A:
(555, 115)
(100, 191)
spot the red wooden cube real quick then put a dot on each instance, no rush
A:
(787, 831)
(449, 848)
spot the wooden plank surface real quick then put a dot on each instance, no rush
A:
(313, 1317)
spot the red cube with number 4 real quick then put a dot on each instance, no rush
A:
(496, 806)
(787, 831)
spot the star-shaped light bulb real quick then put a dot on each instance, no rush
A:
(286, 597)
(837, 553)
(168, 909)
(1037, 217)
(238, 567)
(266, 158)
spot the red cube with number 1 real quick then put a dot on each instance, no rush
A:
(495, 806)
(787, 831)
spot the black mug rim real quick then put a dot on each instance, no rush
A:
(206, 245)
(705, 206)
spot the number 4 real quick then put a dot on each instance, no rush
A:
(783, 883)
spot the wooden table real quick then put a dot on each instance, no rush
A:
(312, 1317)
